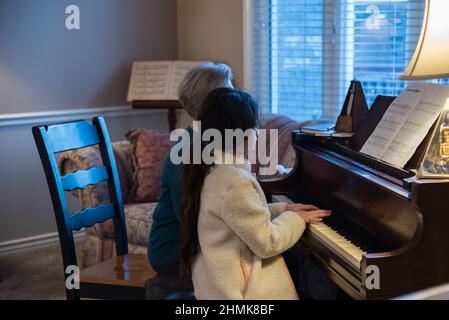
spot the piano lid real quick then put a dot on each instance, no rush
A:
(343, 149)
(350, 147)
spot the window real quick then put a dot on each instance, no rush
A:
(306, 52)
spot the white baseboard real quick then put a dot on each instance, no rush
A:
(35, 242)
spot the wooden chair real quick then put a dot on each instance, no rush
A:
(124, 276)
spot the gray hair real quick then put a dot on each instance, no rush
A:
(200, 81)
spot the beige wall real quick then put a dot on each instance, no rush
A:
(44, 67)
(212, 29)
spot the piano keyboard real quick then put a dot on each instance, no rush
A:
(327, 234)
(337, 243)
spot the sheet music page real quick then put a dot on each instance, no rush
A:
(150, 80)
(180, 68)
(406, 123)
(392, 121)
(418, 124)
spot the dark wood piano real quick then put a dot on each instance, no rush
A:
(381, 215)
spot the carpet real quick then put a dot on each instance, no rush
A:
(32, 275)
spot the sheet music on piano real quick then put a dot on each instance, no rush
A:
(406, 123)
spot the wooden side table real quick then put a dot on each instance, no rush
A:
(171, 105)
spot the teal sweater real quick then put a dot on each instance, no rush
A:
(164, 241)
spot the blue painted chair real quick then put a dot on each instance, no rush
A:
(124, 276)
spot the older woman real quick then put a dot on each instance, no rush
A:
(164, 241)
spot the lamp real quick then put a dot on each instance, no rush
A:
(431, 57)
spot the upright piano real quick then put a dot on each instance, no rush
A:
(383, 217)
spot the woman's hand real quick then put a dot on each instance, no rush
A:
(309, 213)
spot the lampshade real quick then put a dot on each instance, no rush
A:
(431, 57)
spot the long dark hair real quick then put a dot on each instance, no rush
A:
(224, 108)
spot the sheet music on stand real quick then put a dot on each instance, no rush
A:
(157, 80)
(406, 123)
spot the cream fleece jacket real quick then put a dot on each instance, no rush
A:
(241, 239)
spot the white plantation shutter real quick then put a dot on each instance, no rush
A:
(261, 53)
(306, 52)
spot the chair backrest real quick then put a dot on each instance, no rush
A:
(52, 139)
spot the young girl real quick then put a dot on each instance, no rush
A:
(232, 240)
